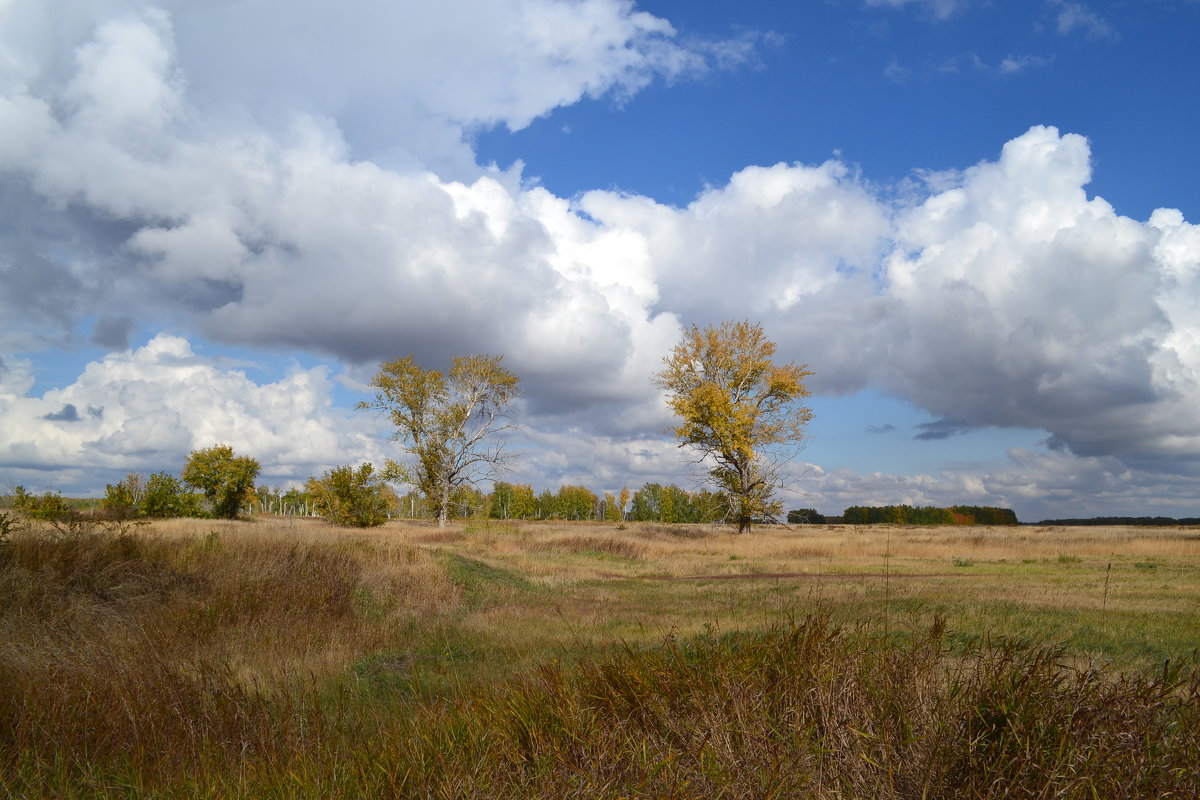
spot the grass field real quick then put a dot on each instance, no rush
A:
(287, 658)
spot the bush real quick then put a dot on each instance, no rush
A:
(50, 506)
(164, 497)
(354, 498)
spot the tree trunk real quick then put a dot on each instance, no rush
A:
(444, 510)
(744, 520)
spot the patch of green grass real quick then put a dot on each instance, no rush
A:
(480, 581)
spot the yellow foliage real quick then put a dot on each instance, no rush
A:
(736, 406)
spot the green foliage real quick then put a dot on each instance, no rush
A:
(413, 506)
(118, 501)
(164, 497)
(467, 502)
(446, 421)
(9, 524)
(805, 516)
(296, 501)
(1115, 521)
(512, 501)
(50, 506)
(352, 497)
(929, 515)
(738, 410)
(614, 508)
(226, 480)
(573, 503)
(657, 503)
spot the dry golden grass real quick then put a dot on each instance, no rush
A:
(276, 647)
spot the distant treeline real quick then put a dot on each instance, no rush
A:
(929, 515)
(1123, 521)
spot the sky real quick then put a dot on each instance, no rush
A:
(974, 221)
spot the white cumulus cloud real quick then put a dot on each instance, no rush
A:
(148, 408)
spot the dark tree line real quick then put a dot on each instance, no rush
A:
(1143, 521)
(929, 515)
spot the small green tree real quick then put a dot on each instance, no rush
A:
(163, 497)
(226, 480)
(468, 502)
(352, 497)
(118, 502)
(612, 508)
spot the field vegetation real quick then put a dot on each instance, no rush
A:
(283, 657)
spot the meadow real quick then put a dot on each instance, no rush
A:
(283, 657)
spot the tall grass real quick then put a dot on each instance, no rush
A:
(244, 661)
(164, 653)
(816, 711)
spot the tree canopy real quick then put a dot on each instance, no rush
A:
(449, 422)
(739, 412)
(226, 480)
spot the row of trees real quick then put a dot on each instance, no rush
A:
(653, 502)
(362, 497)
(358, 497)
(929, 515)
(741, 415)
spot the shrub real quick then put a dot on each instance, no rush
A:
(50, 506)
(354, 498)
(164, 497)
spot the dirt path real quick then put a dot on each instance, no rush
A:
(752, 576)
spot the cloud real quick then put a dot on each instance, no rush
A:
(68, 414)
(1076, 17)
(938, 9)
(1013, 64)
(1066, 316)
(236, 220)
(147, 408)
(112, 332)
(897, 72)
(942, 429)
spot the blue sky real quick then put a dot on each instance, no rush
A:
(974, 221)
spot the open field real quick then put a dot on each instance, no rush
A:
(283, 657)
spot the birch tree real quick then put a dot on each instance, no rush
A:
(451, 423)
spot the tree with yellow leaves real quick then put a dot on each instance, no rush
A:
(740, 413)
(449, 422)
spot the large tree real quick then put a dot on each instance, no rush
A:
(450, 423)
(226, 480)
(741, 413)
